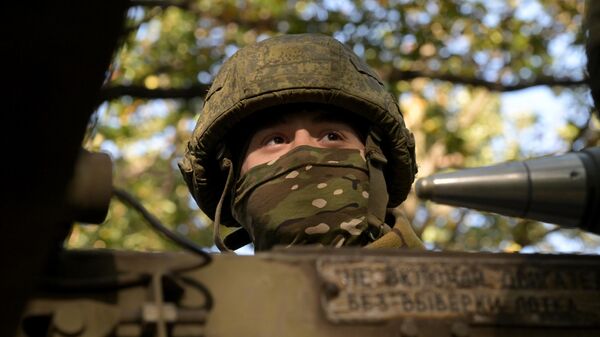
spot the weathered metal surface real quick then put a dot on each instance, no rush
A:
(482, 289)
(317, 292)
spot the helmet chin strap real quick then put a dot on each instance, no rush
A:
(226, 164)
(378, 196)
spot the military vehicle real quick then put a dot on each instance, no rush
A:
(46, 291)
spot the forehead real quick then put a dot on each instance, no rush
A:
(303, 116)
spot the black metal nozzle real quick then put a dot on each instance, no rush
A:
(424, 188)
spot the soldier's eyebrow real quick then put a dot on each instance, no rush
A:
(355, 123)
(282, 116)
(269, 122)
(328, 117)
(317, 117)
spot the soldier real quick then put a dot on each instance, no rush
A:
(299, 143)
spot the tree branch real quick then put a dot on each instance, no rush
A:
(200, 90)
(404, 75)
(112, 92)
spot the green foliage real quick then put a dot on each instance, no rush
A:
(435, 55)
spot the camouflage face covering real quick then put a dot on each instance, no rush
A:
(307, 196)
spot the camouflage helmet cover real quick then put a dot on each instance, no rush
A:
(300, 68)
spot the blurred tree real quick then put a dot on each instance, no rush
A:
(448, 61)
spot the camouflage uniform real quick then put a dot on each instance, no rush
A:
(284, 203)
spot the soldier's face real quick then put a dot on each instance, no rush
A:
(316, 129)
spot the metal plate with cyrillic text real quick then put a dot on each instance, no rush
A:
(530, 292)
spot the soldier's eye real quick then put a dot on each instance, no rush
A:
(275, 140)
(332, 136)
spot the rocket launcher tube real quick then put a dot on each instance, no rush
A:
(564, 189)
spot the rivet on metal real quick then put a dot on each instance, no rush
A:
(69, 321)
(331, 290)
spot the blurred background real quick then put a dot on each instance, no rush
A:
(479, 82)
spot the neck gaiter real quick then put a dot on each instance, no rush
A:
(307, 196)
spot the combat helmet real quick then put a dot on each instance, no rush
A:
(299, 68)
